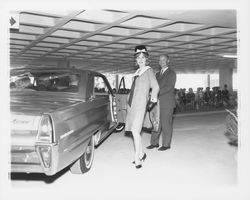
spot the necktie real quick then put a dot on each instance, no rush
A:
(132, 92)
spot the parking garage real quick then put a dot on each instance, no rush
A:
(201, 43)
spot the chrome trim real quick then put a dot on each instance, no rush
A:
(66, 134)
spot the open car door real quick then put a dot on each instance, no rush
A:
(121, 101)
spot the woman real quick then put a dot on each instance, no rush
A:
(144, 79)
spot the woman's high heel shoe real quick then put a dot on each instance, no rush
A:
(138, 166)
(142, 159)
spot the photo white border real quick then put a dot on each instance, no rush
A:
(243, 10)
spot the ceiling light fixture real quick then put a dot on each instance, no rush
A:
(229, 56)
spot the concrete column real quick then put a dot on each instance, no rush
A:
(116, 82)
(208, 80)
(226, 77)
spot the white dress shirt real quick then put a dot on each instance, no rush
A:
(163, 70)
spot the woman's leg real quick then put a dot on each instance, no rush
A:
(138, 147)
(141, 153)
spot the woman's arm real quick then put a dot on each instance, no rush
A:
(154, 85)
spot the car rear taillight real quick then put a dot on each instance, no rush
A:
(45, 130)
(45, 155)
(44, 140)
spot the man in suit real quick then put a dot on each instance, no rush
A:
(166, 79)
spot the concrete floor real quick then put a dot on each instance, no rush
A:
(199, 164)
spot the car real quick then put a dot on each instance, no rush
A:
(58, 117)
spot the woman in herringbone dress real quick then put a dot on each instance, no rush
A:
(144, 79)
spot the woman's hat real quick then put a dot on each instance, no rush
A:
(140, 49)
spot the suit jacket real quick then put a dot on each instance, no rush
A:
(166, 83)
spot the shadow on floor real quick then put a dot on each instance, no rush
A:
(37, 176)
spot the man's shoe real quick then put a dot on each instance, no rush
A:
(152, 146)
(163, 148)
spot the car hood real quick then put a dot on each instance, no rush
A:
(39, 103)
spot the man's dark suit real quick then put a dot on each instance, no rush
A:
(166, 82)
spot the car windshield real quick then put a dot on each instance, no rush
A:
(45, 81)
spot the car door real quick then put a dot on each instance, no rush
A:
(121, 98)
(102, 91)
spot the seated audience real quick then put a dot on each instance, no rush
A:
(216, 96)
(190, 98)
(199, 98)
(207, 96)
(182, 98)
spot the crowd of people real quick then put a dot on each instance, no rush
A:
(190, 100)
(204, 99)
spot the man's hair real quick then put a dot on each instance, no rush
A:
(165, 55)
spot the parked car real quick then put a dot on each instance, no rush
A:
(231, 131)
(58, 117)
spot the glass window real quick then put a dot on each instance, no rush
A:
(191, 81)
(45, 81)
(100, 86)
(235, 81)
(195, 81)
(111, 79)
(214, 80)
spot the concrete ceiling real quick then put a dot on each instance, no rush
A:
(104, 40)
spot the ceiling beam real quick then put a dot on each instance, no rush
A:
(90, 34)
(51, 30)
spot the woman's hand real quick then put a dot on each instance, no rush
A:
(150, 105)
